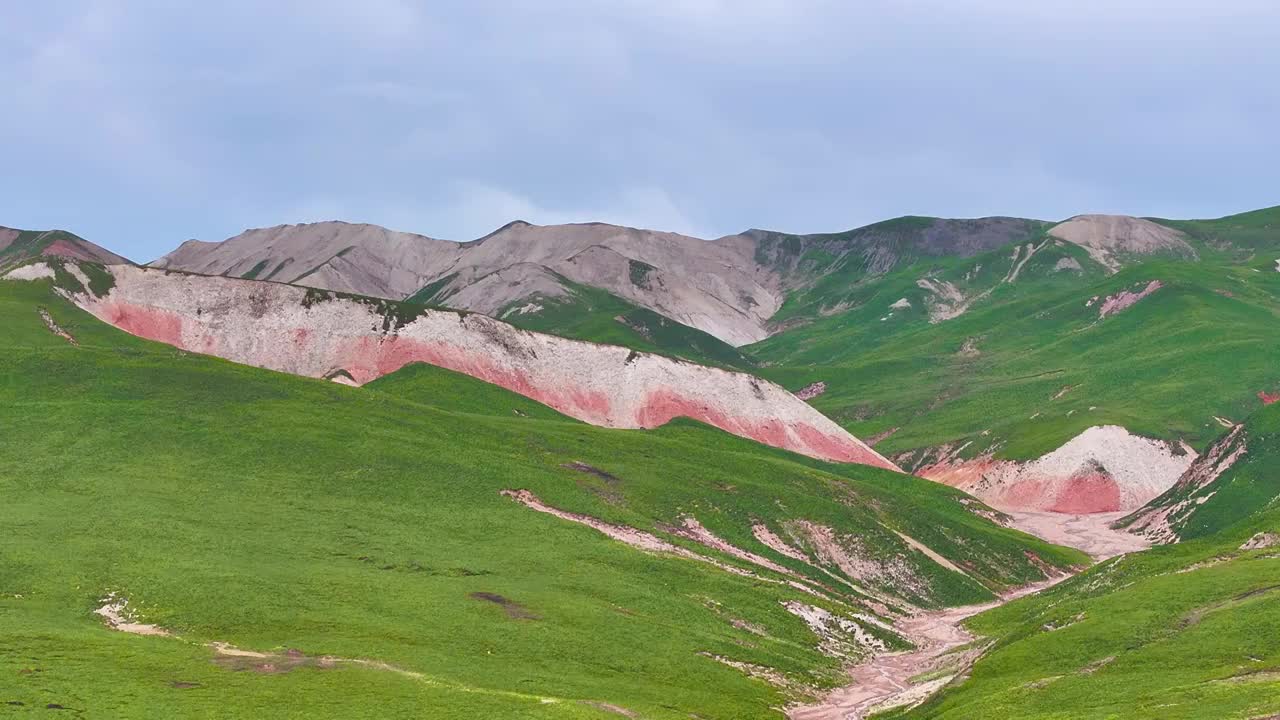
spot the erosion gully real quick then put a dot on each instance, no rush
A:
(943, 647)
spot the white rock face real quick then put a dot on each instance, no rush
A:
(1067, 263)
(1106, 236)
(311, 333)
(34, 271)
(1103, 469)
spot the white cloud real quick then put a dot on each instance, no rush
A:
(470, 210)
(154, 122)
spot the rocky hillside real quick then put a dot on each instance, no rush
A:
(18, 246)
(355, 339)
(1103, 469)
(700, 284)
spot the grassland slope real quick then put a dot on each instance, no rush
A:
(352, 552)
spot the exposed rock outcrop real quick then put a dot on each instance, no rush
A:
(729, 288)
(1108, 238)
(1103, 469)
(316, 333)
(1125, 299)
(811, 391)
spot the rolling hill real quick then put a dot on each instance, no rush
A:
(190, 537)
(502, 522)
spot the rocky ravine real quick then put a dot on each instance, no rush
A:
(320, 334)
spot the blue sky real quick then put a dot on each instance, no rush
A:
(139, 123)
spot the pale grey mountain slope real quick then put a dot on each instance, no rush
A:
(729, 287)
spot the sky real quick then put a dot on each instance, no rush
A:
(139, 124)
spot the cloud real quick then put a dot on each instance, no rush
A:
(140, 124)
(472, 209)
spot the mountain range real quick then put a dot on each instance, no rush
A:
(595, 471)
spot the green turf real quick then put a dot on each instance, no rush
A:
(269, 511)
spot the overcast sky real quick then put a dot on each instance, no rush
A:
(141, 124)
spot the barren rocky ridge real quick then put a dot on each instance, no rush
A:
(730, 287)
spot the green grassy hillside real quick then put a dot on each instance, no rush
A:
(277, 513)
(1184, 632)
(1196, 348)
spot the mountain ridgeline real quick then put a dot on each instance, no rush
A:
(590, 471)
(999, 354)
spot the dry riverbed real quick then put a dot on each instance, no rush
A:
(944, 648)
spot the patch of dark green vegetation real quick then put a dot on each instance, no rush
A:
(283, 264)
(431, 292)
(100, 278)
(253, 272)
(639, 273)
(63, 278)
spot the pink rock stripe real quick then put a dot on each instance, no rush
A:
(275, 326)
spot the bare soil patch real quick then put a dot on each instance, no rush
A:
(590, 470)
(1091, 533)
(514, 610)
(54, 328)
(268, 663)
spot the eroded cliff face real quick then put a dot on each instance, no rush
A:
(1104, 469)
(321, 334)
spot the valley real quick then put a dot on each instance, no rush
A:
(928, 468)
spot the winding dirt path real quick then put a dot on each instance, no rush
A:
(884, 681)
